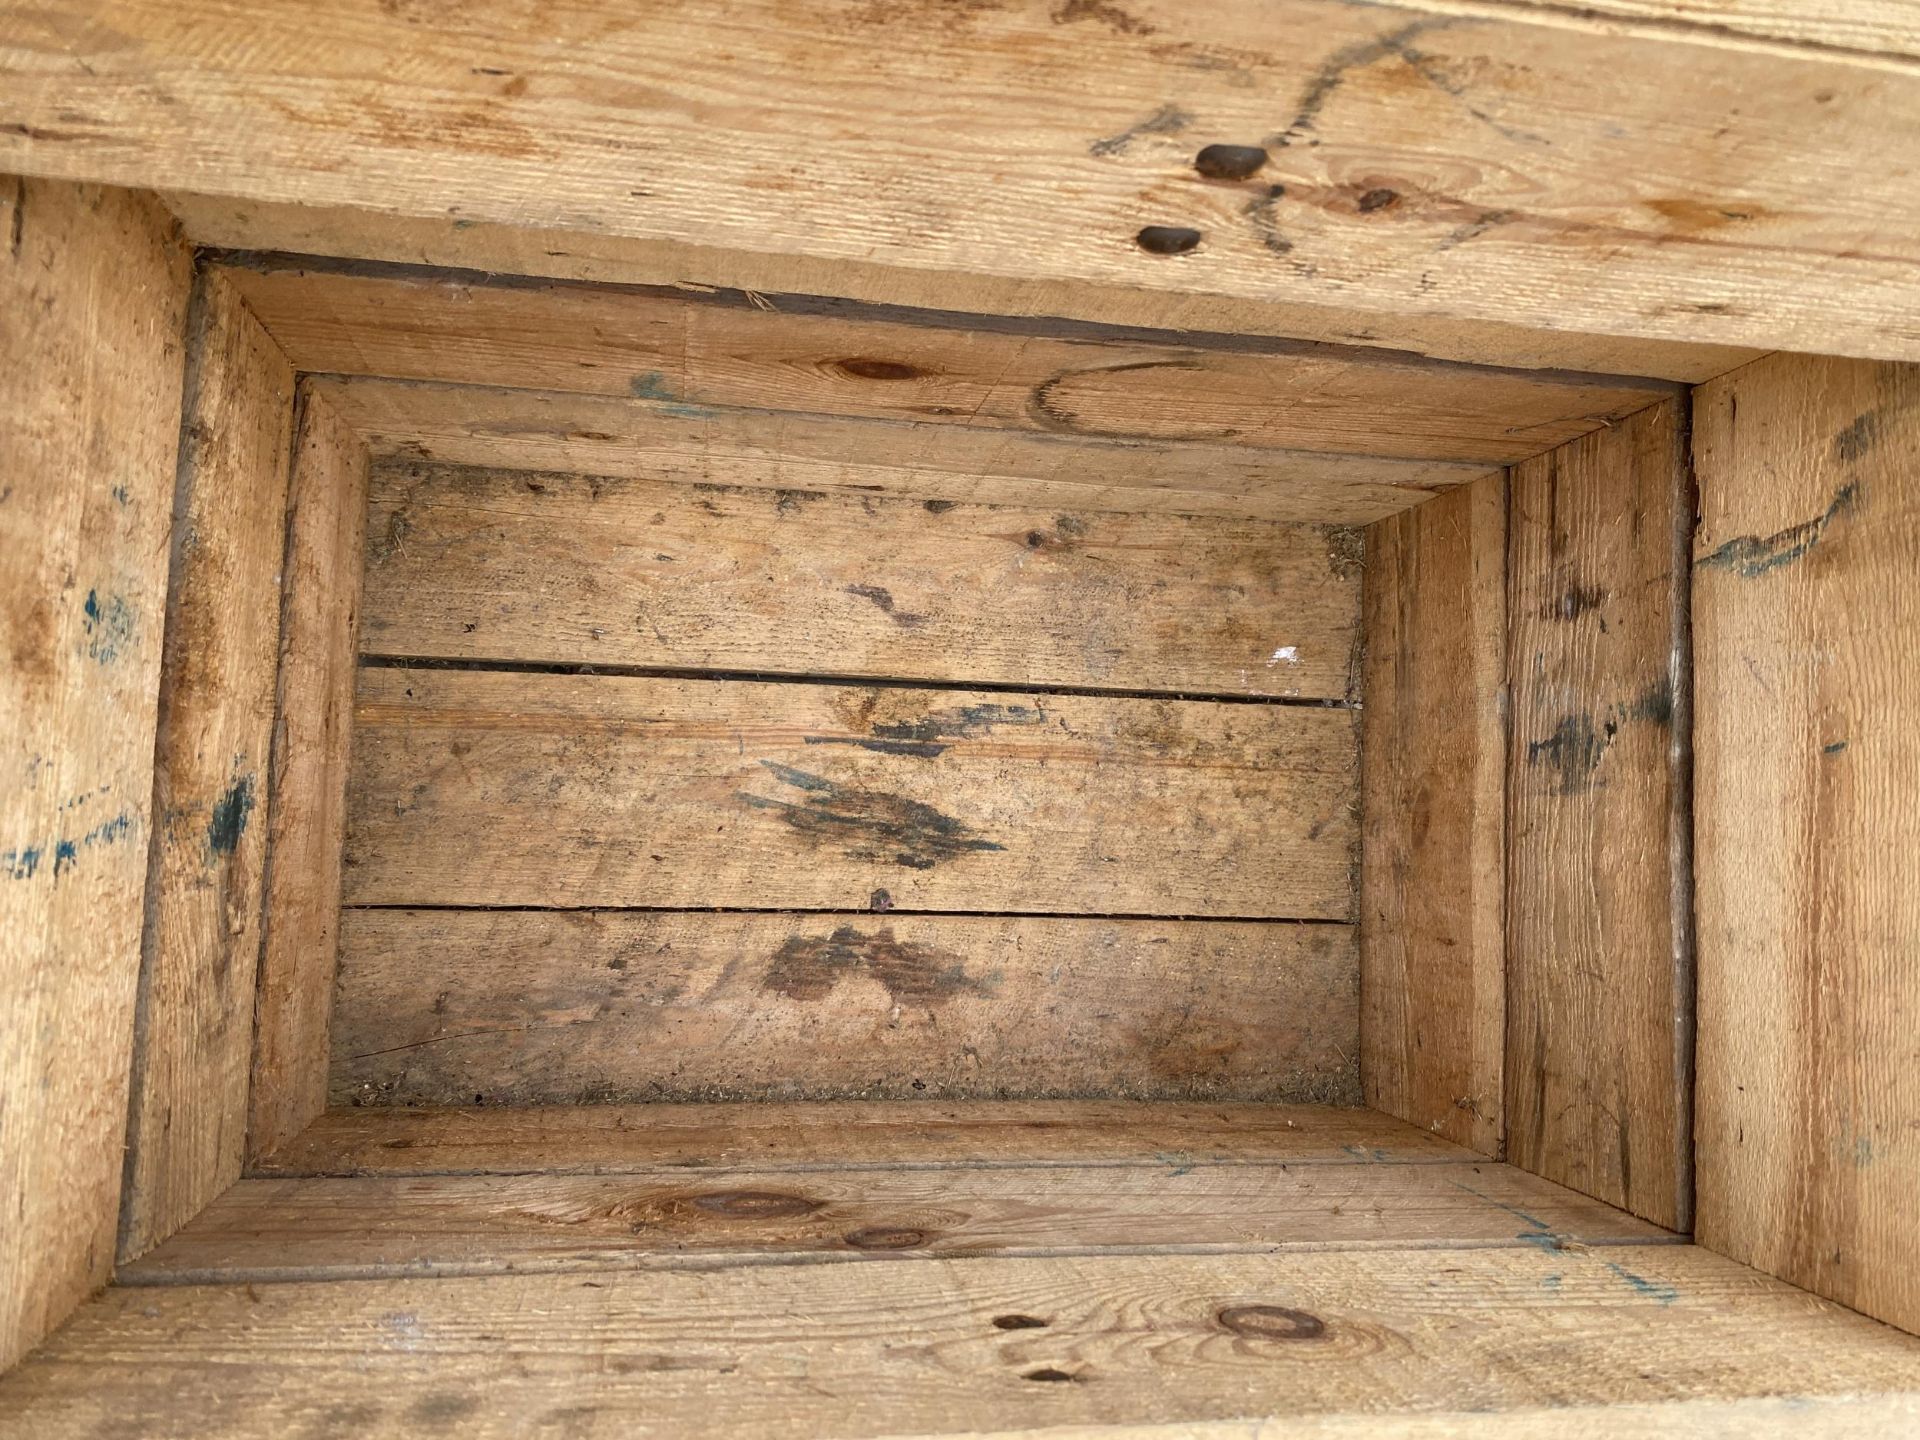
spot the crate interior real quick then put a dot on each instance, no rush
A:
(772, 863)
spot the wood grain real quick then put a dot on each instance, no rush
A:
(944, 1346)
(648, 440)
(1541, 176)
(503, 789)
(302, 233)
(1433, 834)
(617, 1139)
(282, 1230)
(1879, 32)
(93, 298)
(1599, 973)
(440, 1007)
(937, 369)
(584, 569)
(193, 1038)
(306, 824)
(1803, 571)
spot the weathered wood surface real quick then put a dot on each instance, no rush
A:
(304, 232)
(936, 368)
(586, 569)
(646, 440)
(613, 1139)
(193, 1038)
(440, 1007)
(1433, 840)
(1809, 1047)
(93, 298)
(283, 1230)
(1599, 973)
(1481, 167)
(1881, 32)
(326, 531)
(505, 789)
(955, 1345)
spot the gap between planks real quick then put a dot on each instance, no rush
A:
(999, 687)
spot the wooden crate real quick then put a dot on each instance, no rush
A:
(1230, 681)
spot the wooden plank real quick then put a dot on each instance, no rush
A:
(649, 440)
(616, 1139)
(504, 789)
(1809, 1089)
(586, 569)
(1882, 32)
(1599, 972)
(1537, 175)
(251, 229)
(284, 1230)
(93, 297)
(945, 1346)
(937, 368)
(1433, 829)
(193, 1029)
(439, 1007)
(306, 826)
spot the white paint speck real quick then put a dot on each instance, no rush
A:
(1288, 653)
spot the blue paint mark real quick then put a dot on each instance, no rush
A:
(1834, 749)
(122, 494)
(651, 386)
(1652, 1289)
(1862, 1152)
(1551, 1282)
(1177, 1164)
(229, 819)
(108, 625)
(1361, 1152)
(24, 863)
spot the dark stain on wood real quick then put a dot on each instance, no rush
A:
(808, 968)
(1334, 71)
(1103, 11)
(1752, 556)
(228, 820)
(1018, 1322)
(883, 598)
(1262, 212)
(1346, 551)
(1230, 162)
(1576, 600)
(927, 737)
(1378, 198)
(1051, 1375)
(1574, 750)
(939, 507)
(446, 1408)
(1272, 1322)
(1167, 120)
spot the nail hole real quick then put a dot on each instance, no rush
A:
(1167, 239)
(1049, 1374)
(1230, 162)
(1272, 1322)
(1018, 1322)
